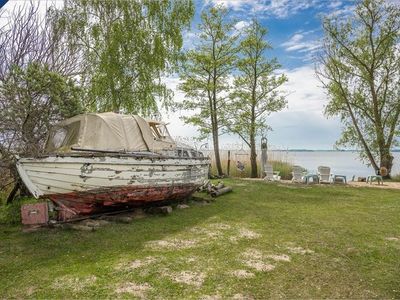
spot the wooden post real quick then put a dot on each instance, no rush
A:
(229, 162)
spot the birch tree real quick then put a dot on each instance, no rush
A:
(360, 69)
(206, 73)
(256, 92)
(127, 47)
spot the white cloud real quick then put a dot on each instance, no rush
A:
(301, 125)
(241, 24)
(335, 4)
(305, 93)
(300, 43)
(234, 4)
(277, 8)
(176, 126)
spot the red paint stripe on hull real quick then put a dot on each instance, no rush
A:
(75, 204)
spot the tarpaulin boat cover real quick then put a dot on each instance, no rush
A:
(108, 132)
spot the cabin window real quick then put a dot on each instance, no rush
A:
(160, 132)
(59, 137)
(63, 137)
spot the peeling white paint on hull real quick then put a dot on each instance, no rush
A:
(111, 179)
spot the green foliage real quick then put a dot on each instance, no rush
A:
(11, 213)
(32, 99)
(127, 47)
(361, 72)
(285, 169)
(396, 178)
(256, 91)
(206, 70)
(205, 75)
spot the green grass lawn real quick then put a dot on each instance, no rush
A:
(262, 240)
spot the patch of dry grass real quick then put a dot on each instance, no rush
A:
(260, 241)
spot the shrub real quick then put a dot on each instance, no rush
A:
(284, 168)
(11, 213)
(396, 178)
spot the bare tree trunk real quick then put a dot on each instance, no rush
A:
(387, 162)
(216, 151)
(253, 157)
(215, 121)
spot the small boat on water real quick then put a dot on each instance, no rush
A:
(98, 162)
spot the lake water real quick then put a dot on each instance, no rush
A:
(341, 162)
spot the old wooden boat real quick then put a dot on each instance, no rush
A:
(98, 162)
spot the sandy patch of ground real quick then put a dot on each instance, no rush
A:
(242, 297)
(242, 274)
(30, 290)
(300, 250)
(280, 257)
(259, 265)
(253, 253)
(290, 184)
(248, 234)
(219, 226)
(392, 238)
(138, 290)
(385, 185)
(74, 283)
(254, 258)
(208, 232)
(244, 233)
(136, 264)
(211, 297)
(195, 279)
(171, 244)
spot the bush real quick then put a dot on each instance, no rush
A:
(11, 213)
(284, 168)
(396, 178)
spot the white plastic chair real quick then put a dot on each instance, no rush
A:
(324, 174)
(269, 173)
(297, 174)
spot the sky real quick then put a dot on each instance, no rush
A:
(295, 33)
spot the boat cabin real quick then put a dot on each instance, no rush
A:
(109, 132)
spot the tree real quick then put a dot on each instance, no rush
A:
(127, 46)
(205, 75)
(36, 88)
(256, 91)
(360, 69)
(32, 99)
(28, 36)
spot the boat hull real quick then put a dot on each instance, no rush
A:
(92, 184)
